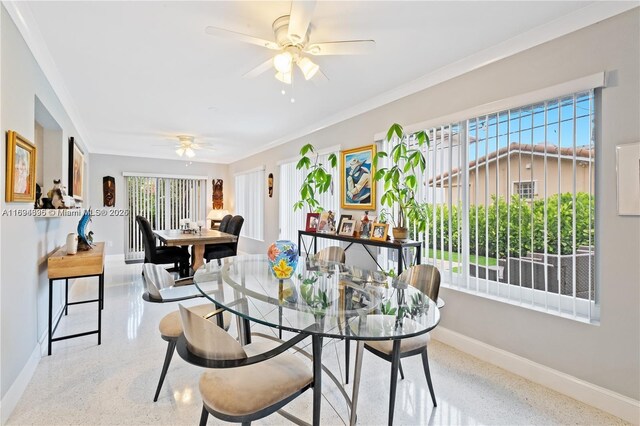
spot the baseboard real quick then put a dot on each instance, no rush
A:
(13, 395)
(604, 399)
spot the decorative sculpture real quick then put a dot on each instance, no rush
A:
(217, 196)
(109, 191)
(84, 239)
(270, 184)
(57, 195)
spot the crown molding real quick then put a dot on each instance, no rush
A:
(22, 17)
(581, 18)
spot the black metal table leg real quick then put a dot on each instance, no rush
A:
(419, 254)
(317, 378)
(395, 362)
(66, 296)
(50, 315)
(100, 305)
(400, 260)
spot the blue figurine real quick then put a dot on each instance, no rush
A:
(84, 240)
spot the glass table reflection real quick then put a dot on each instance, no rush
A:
(321, 299)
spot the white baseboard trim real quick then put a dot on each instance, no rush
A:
(604, 399)
(13, 395)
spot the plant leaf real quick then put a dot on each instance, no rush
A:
(333, 160)
(395, 129)
(306, 148)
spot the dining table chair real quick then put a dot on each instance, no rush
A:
(425, 278)
(241, 383)
(162, 254)
(220, 251)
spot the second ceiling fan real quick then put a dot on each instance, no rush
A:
(292, 42)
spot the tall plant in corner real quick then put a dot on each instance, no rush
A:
(317, 181)
(400, 181)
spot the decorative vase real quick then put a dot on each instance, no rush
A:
(283, 259)
(72, 243)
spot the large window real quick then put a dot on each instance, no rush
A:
(289, 193)
(510, 201)
(249, 197)
(163, 201)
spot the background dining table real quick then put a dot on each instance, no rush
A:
(198, 239)
(323, 300)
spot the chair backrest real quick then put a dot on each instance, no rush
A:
(234, 228)
(224, 223)
(206, 340)
(148, 238)
(425, 278)
(331, 254)
(156, 278)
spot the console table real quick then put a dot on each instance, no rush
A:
(63, 266)
(390, 244)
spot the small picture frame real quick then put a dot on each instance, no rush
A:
(323, 224)
(379, 231)
(364, 226)
(21, 169)
(347, 227)
(342, 217)
(312, 222)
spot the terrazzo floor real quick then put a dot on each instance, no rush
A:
(114, 383)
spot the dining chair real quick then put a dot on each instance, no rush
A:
(425, 278)
(224, 223)
(331, 254)
(162, 254)
(219, 251)
(242, 383)
(161, 287)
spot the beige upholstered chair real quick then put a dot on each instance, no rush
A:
(331, 254)
(161, 287)
(171, 329)
(243, 383)
(426, 278)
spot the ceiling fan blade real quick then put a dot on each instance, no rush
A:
(232, 35)
(351, 47)
(263, 67)
(299, 19)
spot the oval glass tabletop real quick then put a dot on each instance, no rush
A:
(324, 298)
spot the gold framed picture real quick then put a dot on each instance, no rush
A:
(379, 231)
(21, 169)
(356, 179)
(76, 170)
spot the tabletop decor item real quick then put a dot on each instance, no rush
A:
(379, 231)
(84, 239)
(347, 227)
(358, 189)
(72, 243)
(283, 258)
(400, 181)
(21, 169)
(312, 222)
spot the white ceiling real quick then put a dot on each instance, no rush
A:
(138, 72)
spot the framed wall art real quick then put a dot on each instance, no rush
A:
(628, 173)
(21, 169)
(76, 170)
(356, 179)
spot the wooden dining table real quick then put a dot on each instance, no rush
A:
(175, 237)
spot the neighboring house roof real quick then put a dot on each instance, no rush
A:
(515, 148)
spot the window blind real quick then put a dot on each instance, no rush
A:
(249, 199)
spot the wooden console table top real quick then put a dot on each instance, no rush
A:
(63, 265)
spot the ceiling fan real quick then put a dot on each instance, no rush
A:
(187, 146)
(292, 42)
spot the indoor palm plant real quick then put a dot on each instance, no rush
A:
(400, 180)
(317, 181)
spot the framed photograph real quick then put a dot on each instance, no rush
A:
(323, 223)
(21, 169)
(364, 226)
(356, 178)
(76, 170)
(347, 227)
(628, 171)
(379, 231)
(312, 222)
(342, 217)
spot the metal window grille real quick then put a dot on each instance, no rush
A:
(510, 204)
(163, 201)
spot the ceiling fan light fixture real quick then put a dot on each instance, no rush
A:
(180, 151)
(189, 152)
(283, 62)
(284, 77)
(308, 67)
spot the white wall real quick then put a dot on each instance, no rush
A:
(607, 355)
(26, 242)
(112, 228)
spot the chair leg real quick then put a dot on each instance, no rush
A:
(395, 360)
(204, 416)
(425, 364)
(400, 368)
(167, 360)
(347, 350)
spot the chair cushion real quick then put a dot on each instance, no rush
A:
(170, 255)
(406, 345)
(246, 390)
(171, 324)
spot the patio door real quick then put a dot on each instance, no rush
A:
(163, 201)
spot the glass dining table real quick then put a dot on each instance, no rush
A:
(322, 300)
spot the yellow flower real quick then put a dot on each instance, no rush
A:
(282, 270)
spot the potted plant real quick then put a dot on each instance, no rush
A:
(400, 181)
(317, 181)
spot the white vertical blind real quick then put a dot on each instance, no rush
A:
(249, 198)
